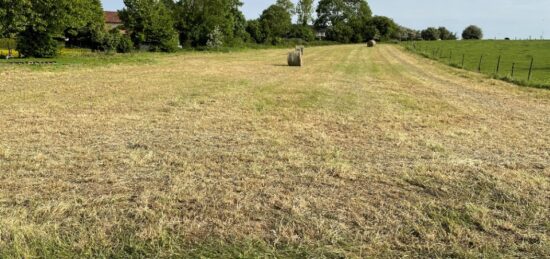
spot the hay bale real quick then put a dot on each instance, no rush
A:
(371, 43)
(300, 48)
(295, 59)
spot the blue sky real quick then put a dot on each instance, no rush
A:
(498, 18)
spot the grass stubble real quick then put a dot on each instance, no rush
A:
(363, 153)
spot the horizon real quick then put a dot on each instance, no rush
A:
(498, 18)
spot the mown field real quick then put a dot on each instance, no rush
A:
(364, 152)
(519, 52)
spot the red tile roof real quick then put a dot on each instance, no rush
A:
(112, 17)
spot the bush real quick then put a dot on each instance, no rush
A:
(305, 33)
(472, 32)
(115, 41)
(111, 41)
(36, 44)
(275, 22)
(125, 45)
(215, 39)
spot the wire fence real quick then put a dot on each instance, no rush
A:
(522, 71)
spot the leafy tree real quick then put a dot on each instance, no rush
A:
(371, 33)
(275, 23)
(150, 23)
(472, 32)
(384, 25)
(198, 19)
(287, 5)
(430, 33)
(41, 24)
(38, 35)
(13, 17)
(86, 25)
(298, 31)
(344, 20)
(36, 43)
(445, 34)
(254, 29)
(304, 9)
(407, 34)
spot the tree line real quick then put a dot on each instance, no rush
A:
(164, 25)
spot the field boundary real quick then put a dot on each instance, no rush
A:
(437, 54)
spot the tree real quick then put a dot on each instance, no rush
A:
(384, 25)
(445, 34)
(86, 25)
(254, 29)
(150, 23)
(275, 23)
(37, 37)
(472, 32)
(196, 20)
(408, 34)
(343, 20)
(13, 17)
(430, 33)
(304, 9)
(303, 32)
(287, 5)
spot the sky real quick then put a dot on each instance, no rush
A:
(498, 18)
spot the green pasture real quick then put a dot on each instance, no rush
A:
(484, 56)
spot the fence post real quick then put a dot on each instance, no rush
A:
(513, 68)
(530, 69)
(479, 67)
(451, 57)
(463, 56)
(498, 64)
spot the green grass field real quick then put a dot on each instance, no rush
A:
(510, 52)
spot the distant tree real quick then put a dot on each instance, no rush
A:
(371, 33)
(287, 5)
(430, 33)
(275, 22)
(343, 20)
(407, 34)
(472, 32)
(196, 20)
(150, 23)
(303, 32)
(304, 9)
(384, 25)
(254, 29)
(445, 34)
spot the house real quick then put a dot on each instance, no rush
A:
(112, 20)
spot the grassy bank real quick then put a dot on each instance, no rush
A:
(512, 54)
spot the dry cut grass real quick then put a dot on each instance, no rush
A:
(362, 152)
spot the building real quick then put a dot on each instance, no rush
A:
(112, 20)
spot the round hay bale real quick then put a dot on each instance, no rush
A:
(295, 59)
(371, 43)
